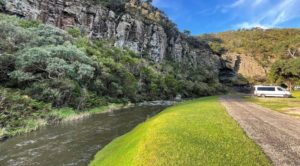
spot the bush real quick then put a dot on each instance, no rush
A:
(52, 62)
(29, 23)
(16, 109)
(2, 3)
(48, 35)
(75, 32)
(13, 38)
(7, 65)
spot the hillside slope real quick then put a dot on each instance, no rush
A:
(251, 52)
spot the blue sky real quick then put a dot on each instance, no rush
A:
(209, 16)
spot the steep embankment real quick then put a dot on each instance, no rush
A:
(252, 52)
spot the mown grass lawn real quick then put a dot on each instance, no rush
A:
(296, 94)
(289, 106)
(198, 132)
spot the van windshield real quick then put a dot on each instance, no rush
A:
(280, 89)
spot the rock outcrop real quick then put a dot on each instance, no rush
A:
(245, 65)
(140, 27)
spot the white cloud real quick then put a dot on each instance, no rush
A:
(270, 14)
(258, 2)
(237, 3)
(247, 25)
(284, 11)
(237, 13)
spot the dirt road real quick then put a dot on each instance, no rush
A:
(276, 133)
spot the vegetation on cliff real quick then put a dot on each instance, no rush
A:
(265, 45)
(170, 138)
(58, 69)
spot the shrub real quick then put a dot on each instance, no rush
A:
(53, 62)
(61, 93)
(75, 32)
(2, 3)
(29, 23)
(16, 109)
(48, 35)
(13, 38)
(7, 65)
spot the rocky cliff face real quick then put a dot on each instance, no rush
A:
(244, 65)
(140, 27)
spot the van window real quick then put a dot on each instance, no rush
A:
(279, 89)
(266, 88)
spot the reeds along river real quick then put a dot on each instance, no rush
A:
(74, 143)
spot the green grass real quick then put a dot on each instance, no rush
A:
(63, 113)
(20, 113)
(28, 126)
(296, 94)
(2, 133)
(277, 104)
(106, 108)
(198, 132)
(69, 114)
(290, 106)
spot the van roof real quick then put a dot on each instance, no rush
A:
(265, 86)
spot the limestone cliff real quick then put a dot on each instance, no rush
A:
(140, 27)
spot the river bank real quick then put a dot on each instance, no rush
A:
(56, 116)
(75, 142)
(65, 115)
(197, 132)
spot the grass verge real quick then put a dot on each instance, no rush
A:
(290, 106)
(198, 132)
(296, 94)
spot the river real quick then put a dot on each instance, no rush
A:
(74, 143)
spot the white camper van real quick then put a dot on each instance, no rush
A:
(271, 91)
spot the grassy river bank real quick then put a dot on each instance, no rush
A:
(21, 114)
(197, 132)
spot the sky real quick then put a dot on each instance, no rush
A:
(211, 16)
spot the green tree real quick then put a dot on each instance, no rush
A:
(286, 71)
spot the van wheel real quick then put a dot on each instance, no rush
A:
(285, 96)
(263, 96)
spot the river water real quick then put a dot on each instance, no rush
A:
(74, 143)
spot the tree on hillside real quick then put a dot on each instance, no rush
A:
(286, 71)
(264, 45)
(293, 50)
(187, 32)
(148, 1)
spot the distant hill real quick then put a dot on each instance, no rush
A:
(262, 46)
